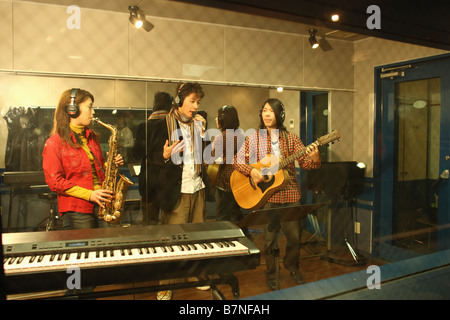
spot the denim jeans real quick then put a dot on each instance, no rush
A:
(77, 220)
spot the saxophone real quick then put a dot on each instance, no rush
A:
(112, 212)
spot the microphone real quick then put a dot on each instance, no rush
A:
(193, 117)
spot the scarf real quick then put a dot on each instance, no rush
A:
(160, 114)
(172, 127)
(80, 132)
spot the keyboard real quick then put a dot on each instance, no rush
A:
(40, 261)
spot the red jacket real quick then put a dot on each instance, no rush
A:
(66, 167)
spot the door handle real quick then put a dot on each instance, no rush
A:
(444, 175)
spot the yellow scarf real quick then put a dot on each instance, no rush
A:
(80, 131)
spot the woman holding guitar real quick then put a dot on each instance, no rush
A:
(275, 142)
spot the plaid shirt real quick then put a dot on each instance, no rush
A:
(259, 145)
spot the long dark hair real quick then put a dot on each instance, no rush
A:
(61, 120)
(278, 109)
(227, 118)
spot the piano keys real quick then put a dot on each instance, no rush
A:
(62, 261)
(38, 261)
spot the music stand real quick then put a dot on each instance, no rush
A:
(344, 180)
(264, 216)
(21, 180)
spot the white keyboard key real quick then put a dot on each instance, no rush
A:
(106, 257)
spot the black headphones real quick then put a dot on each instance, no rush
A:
(282, 113)
(221, 116)
(178, 98)
(72, 109)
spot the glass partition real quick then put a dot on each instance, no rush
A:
(400, 201)
(28, 127)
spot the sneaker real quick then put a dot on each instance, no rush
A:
(298, 277)
(203, 288)
(164, 295)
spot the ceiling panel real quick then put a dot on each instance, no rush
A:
(419, 22)
(401, 20)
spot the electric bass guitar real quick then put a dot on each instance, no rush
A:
(253, 196)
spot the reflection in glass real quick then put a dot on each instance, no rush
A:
(418, 109)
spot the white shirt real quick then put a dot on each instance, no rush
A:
(190, 181)
(276, 149)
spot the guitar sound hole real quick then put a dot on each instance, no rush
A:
(267, 183)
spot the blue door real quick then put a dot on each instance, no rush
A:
(412, 158)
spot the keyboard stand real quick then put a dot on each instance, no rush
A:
(228, 279)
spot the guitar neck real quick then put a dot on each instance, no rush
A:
(286, 161)
(322, 141)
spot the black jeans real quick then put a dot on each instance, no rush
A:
(150, 212)
(227, 208)
(293, 232)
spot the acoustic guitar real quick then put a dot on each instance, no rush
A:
(253, 196)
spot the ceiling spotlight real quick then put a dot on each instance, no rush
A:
(361, 165)
(312, 38)
(335, 17)
(137, 18)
